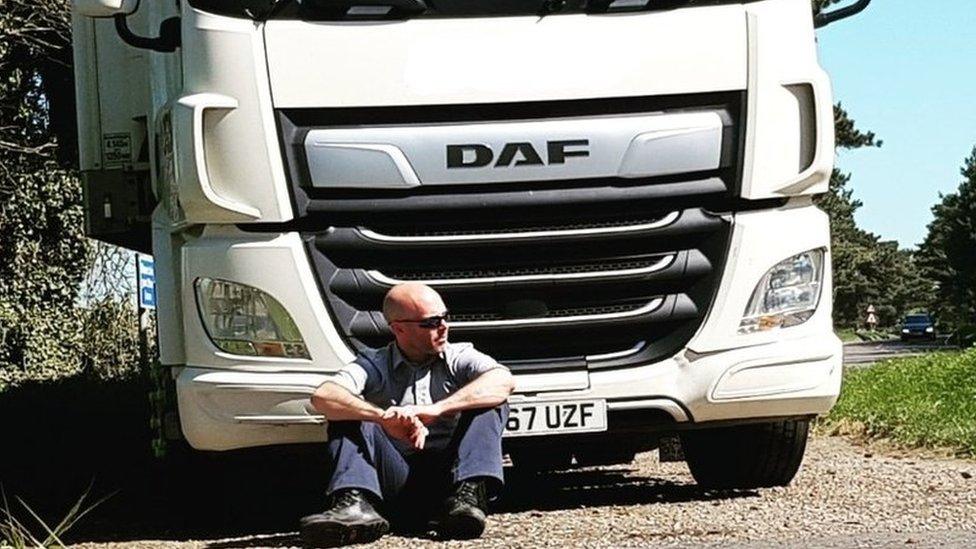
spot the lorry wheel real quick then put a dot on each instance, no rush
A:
(747, 456)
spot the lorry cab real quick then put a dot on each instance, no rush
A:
(613, 197)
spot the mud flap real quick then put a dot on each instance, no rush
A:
(669, 449)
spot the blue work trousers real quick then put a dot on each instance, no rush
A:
(363, 456)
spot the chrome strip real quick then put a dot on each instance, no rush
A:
(651, 306)
(668, 405)
(619, 354)
(281, 419)
(663, 222)
(661, 264)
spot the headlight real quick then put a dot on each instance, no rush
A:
(929, 330)
(787, 295)
(242, 320)
(905, 331)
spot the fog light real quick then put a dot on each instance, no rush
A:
(243, 320)
(787, 295)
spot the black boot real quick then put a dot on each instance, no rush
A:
(350, 519)
(464, 511)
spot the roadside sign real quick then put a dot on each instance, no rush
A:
(147, 281)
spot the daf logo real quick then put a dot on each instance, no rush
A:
(521, 154)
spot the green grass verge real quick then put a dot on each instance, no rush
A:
(847, 335)
(926, 401)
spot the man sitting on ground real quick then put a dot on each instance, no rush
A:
(414, 429)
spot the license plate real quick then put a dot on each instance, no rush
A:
(552, 418)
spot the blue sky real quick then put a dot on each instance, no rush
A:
(905, 69)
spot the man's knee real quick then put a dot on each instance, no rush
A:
(485, 420)
(497, 414)
(500, 411)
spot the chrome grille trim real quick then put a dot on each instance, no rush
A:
(663, 222)
(659, 265)
(647, 308)
(619, 354)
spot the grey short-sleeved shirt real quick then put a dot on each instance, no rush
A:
(385, 378)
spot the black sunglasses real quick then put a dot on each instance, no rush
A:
(430, 321)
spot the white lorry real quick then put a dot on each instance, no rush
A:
(613, 197)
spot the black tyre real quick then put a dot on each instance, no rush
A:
(747, 456)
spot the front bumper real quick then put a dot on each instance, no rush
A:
(226, 409)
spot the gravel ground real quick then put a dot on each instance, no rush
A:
(844, 496)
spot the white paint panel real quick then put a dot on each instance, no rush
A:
(506, 59)
(237, 147)
(113, 93)
(782, 127)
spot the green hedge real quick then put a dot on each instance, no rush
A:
(47, 343)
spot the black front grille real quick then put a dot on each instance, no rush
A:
(568, 274)
(544, 302)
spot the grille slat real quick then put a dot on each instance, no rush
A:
(351, 248)
(659, 275)
(515, 230)
(532, 272)
(463, 320)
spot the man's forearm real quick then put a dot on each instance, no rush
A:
(338, 404)
(486, 391)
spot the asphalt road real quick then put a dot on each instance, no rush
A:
(872, 351)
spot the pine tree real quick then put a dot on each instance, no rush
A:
(948, 253)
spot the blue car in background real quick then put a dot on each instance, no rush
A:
(918, 326)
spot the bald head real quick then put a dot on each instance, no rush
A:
(410, 301)
(404, 307)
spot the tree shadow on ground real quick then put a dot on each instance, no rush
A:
(552, 492)
(600, 488)
(59, 436)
